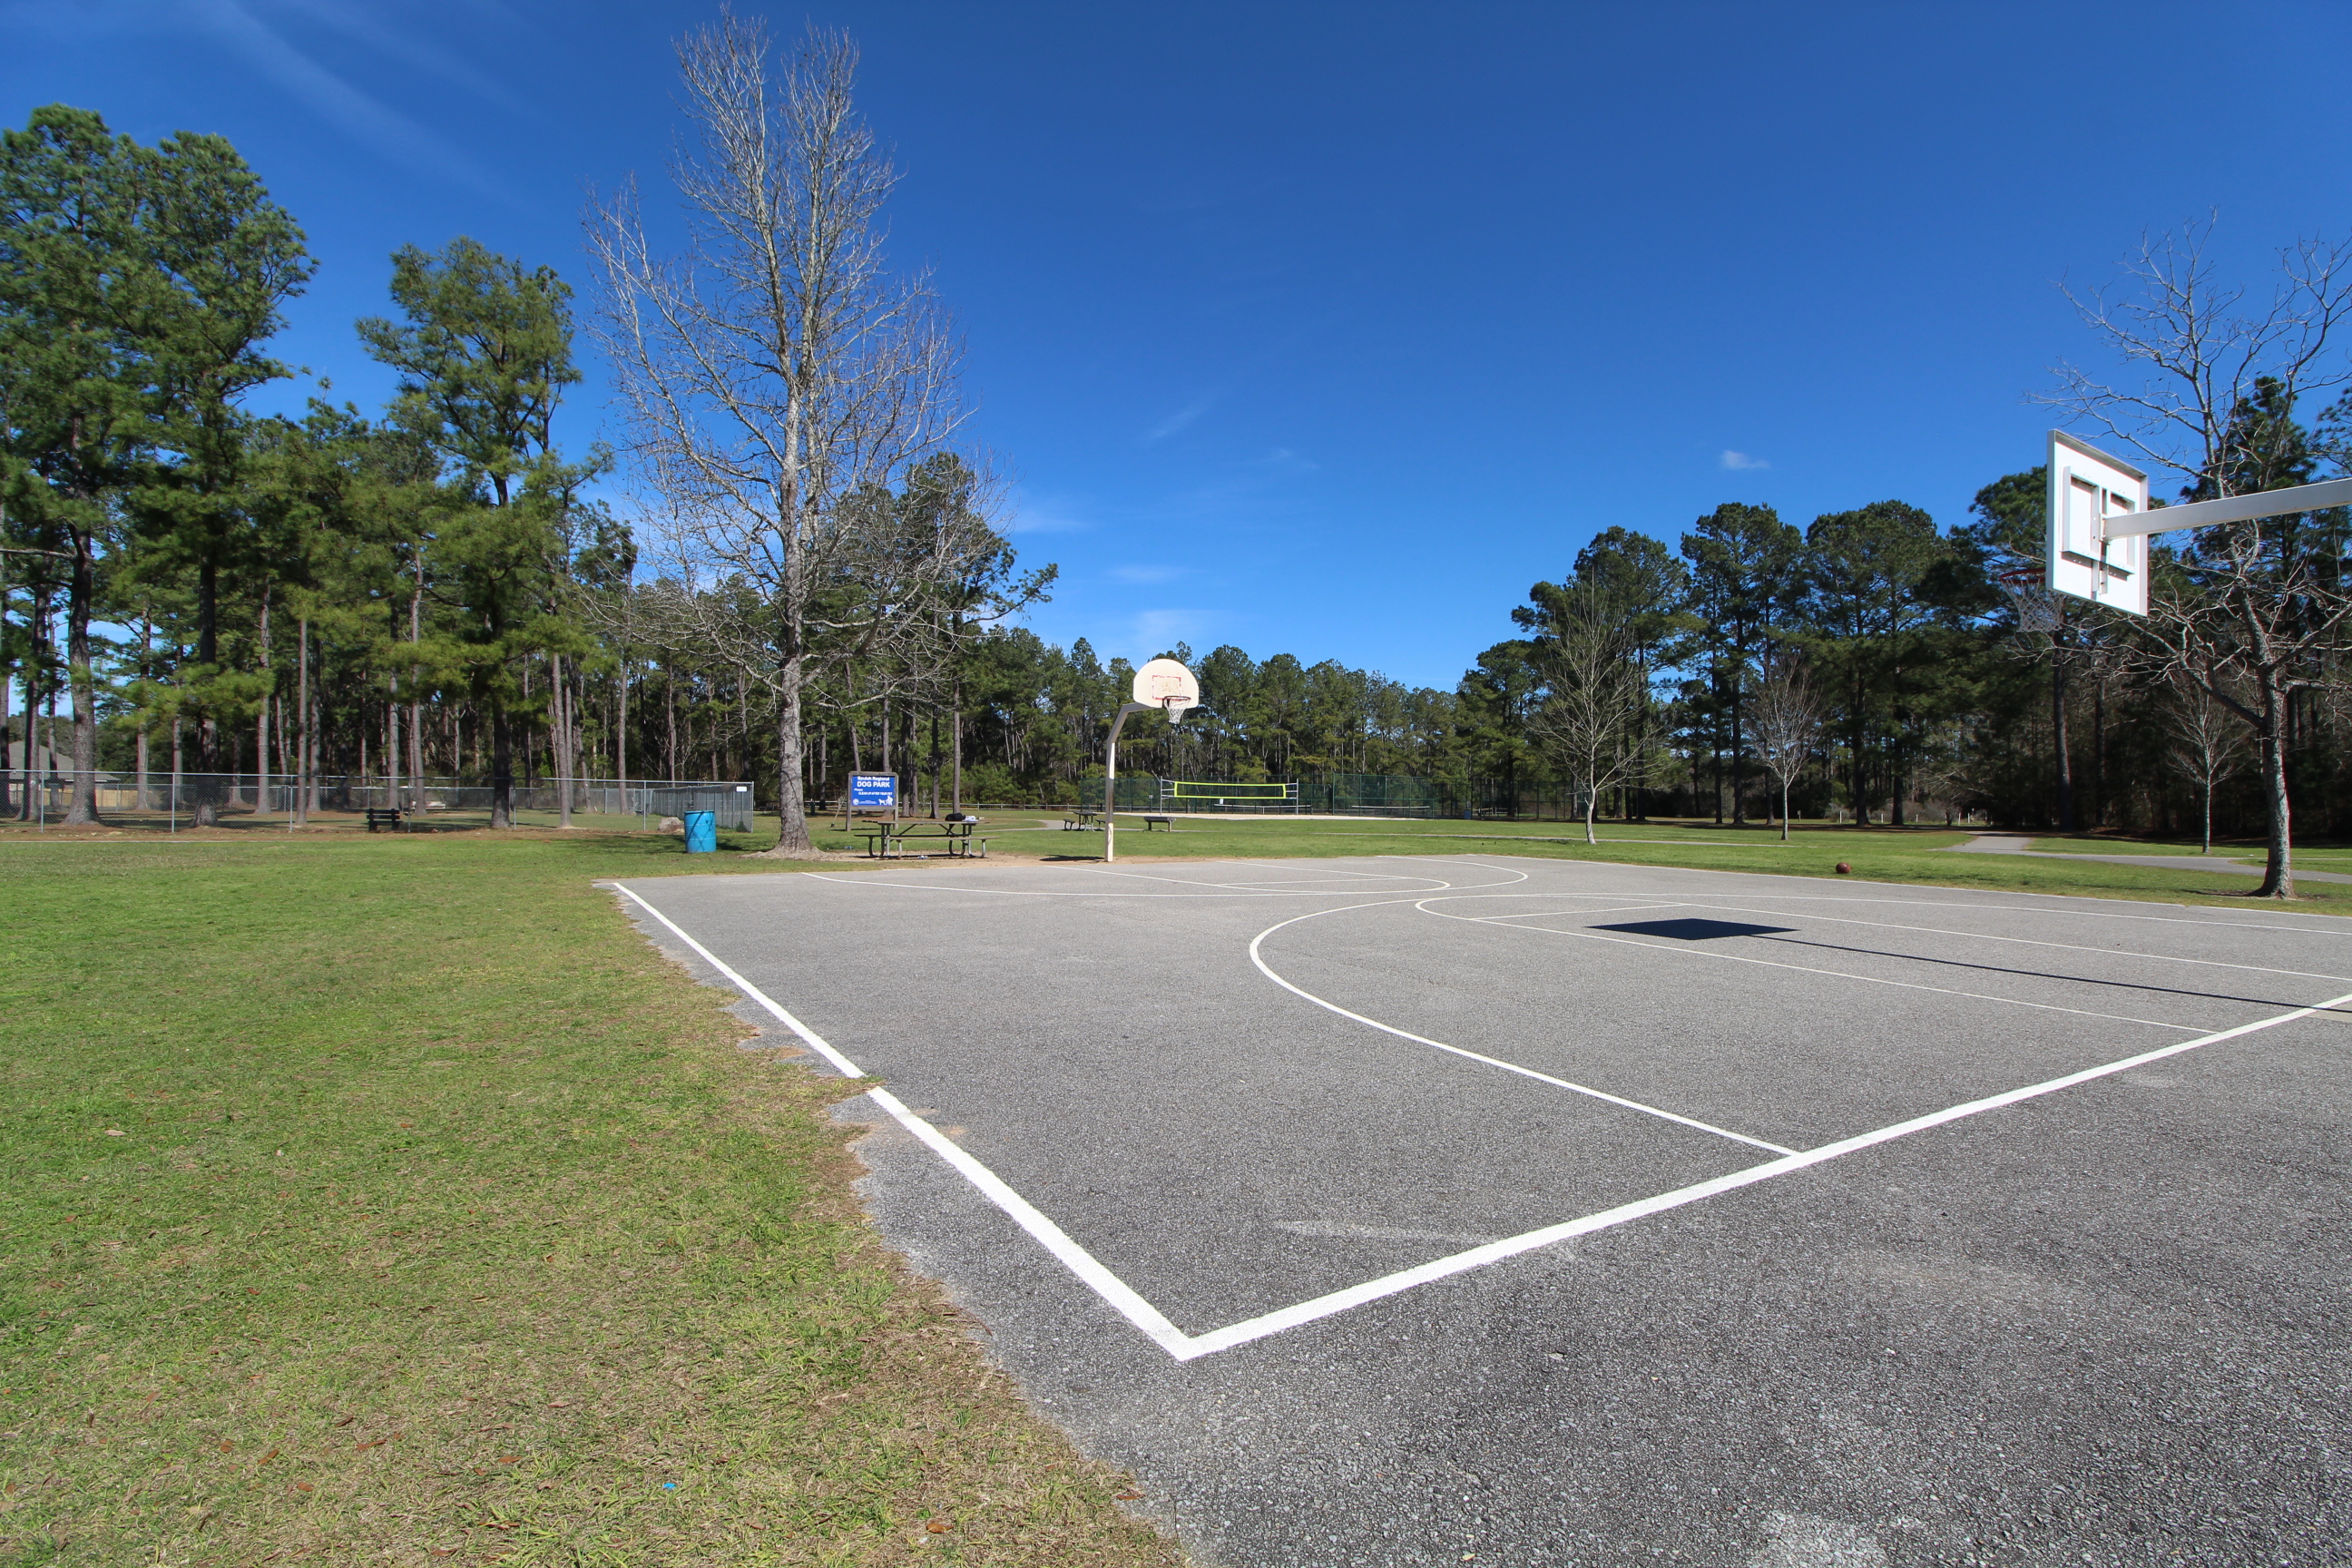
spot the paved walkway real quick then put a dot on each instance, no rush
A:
(2014, 844)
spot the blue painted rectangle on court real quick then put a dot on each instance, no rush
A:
(873, 791)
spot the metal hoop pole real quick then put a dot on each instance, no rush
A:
(1110, 775)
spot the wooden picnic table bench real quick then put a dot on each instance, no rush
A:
(888, 840)
(389, 817)
(1082, 816)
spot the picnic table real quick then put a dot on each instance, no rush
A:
(1082, 816)
(888, 840)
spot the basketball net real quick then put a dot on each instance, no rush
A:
(2035, 605)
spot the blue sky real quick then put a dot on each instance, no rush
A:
(1328, 329)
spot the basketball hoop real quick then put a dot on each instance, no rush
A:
(2030, 599)
(1163, 684)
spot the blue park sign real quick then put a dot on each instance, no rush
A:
(873, 791)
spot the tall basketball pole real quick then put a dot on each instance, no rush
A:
(1110, 777)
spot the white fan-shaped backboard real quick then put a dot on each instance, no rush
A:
(1166, 684)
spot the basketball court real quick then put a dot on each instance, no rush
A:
(1451, 1209)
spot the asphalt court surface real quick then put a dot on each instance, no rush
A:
(1392, 1209)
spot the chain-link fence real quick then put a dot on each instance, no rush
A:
(172, 801)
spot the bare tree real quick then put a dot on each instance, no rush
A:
(2204, 742)
(779, 378)
(1591, 718)
(2254, 614)
(1787, 717)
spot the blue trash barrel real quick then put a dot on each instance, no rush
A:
(701, 832)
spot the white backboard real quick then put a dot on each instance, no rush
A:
(2085, 486)
(1166, 684)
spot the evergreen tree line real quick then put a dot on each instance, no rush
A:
(434, 592)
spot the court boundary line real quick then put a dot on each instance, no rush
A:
(2037, 942)
(1156, 1326)
(1617, 1099)
(2226, 918)
(815, 1042)
(1211, 890)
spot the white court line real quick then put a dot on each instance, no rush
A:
(1263, 968)
(2222, 919)
(1684, 951)
(1511, 1246)
(1272, 885)
(1551, 914)
(1321, 870)
(1050, 1237)
(847, 1068)
(2022, 941)
(1216, 889)
(1156, 1326)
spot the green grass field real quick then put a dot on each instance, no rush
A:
(389, 1200)
(386, 1199)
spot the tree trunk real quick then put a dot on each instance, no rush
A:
(299, 808)
(560, 714)
(793, 842)
(81, 595)
(2278, 874)
(416, 689)
(146, 795)
(1738, 746)
(1857, 785)
(7, 733)
(501, 768)
(669, 702)
(935, 763)
(2099, 754)
(206, 790)
(261, 725)
(2058, 737)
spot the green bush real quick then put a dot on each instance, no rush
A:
(993, 784)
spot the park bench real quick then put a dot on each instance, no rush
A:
(888, 840)
(385, 816)
(1150, 822)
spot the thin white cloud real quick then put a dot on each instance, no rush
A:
(1181, 418)
(389, 132)
(1160, 628)
(365, 28)
(1738, 461)
(1042, 518)
(1146, 574)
